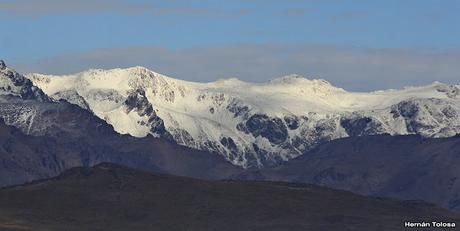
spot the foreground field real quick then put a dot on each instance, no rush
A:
(110, 197)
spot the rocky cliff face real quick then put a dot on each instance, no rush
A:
(254, 125)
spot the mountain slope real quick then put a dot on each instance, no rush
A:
(404, 167)
(24, 158)
(253, 125)
(41, 137)
(109, 197)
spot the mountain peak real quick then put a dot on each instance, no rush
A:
(302, 83)
(135, 69)
(229, 81)
(292, 78)
(295, 79)
(139, 69)
(2, 65)
(15, 84)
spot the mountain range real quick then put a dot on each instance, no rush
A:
(394, 143)
(253, 124)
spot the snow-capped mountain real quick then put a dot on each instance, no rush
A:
(25, 106)
(16, 85)
(253, 124)
(40, 137)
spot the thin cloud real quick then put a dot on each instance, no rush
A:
(48, 7)
(45, 7)
(359, 69)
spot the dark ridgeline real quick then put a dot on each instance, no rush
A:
(404, 167)
(24, 158)
(110, 197)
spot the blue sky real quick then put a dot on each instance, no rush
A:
(358, 45)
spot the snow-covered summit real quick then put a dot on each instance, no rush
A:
(15, 84)
(299, 79)
(253, 124)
